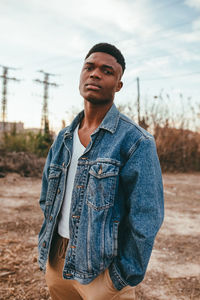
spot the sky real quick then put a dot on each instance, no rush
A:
(160, 41)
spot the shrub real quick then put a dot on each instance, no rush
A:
(29, 142)
(178, 147)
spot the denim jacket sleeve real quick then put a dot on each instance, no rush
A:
(142, 183)
(45, 180)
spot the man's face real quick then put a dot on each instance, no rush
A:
(100, 78)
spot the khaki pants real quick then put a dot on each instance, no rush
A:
(101, 288)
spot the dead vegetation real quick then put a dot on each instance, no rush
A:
(175, 124)
(178, 149)
(173, 272)
(23, 163)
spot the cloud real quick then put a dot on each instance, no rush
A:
(94, 15)
(55, 29)
(31, 33)
(101, 20)
(191, 37)
(188, 56)
(193, 3)
(55, 36)
(196, 24)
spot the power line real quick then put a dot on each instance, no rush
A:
(136, 44)
(160, 39)
(172, 76)
(155, 59)
(74, 61)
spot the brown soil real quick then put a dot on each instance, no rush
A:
(173, 272)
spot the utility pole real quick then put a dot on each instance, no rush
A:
(138, 99)
(5, 79)
(46, 83)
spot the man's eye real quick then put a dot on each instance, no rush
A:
(108, 72)
(88, 68)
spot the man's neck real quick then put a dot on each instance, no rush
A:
(93, 115)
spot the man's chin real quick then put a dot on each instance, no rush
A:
(98, 101)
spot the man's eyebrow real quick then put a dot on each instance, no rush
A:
(109, 67)
(103, 66)
(89, 63)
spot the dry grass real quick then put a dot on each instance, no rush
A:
(173, 269)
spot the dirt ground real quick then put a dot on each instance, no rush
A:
(174, 269)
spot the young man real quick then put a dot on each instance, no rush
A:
(102, 193)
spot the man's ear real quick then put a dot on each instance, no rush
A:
(119, 86)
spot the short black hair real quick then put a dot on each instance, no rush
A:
(109, 49)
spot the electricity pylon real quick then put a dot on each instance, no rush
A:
(5, 79)
(46, 83)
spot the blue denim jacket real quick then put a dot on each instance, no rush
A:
(117, 201)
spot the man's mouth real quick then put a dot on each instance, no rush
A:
(93, 86)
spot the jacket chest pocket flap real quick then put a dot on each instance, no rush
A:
(102, 185)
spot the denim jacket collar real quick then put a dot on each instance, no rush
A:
(109, 122)
(72, 126)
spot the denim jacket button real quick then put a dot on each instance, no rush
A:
(75, 217)
(58, 192)
(50, 218)
(44, 244)
(63, 164)
(100, 170)
(80, 186)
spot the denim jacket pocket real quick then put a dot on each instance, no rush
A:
(53, 183)
(101, 187)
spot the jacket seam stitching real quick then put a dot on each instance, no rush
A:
(135, 125)
(122, 282)
(137, 144)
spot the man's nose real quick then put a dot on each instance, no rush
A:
(95, 74)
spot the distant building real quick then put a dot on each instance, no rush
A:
(11, 126)
(18, 127)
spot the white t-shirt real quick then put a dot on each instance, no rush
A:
(78, 149)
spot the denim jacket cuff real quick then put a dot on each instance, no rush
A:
(118, 282)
